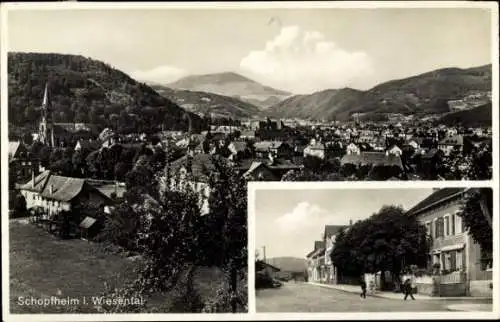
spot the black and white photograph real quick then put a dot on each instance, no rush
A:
(373, 250)
(131, 133)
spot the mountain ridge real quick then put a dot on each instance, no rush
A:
(233, 85)
(419, 94)
(288, 263)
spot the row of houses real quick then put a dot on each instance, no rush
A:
(464, 270)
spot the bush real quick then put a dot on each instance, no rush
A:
(263, 281)
(187, 299)
(17, 205)
(222, 302)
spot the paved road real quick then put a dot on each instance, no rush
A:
(303, 297)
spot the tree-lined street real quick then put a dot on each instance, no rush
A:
(303, 297)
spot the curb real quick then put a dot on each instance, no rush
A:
(393, 298)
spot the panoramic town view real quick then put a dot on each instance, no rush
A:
(355, 250)
(132, 135)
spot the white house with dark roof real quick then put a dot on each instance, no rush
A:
(395, 150)
(194, 172)
(447, 145)
(316, 149)
(56, 193)
(352, 149)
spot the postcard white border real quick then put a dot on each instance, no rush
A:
(252, 315)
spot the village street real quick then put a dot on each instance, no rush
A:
(303, 297)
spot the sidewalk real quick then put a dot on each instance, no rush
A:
(470, 307)
(392, 295)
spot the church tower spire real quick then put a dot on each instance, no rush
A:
(46, 129)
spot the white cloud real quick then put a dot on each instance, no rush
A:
(302, 218)
(161, 74)
(304, 62)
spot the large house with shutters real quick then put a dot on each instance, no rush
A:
(453, 251)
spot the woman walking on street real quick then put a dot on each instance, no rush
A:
(363, 288)
(408, 289)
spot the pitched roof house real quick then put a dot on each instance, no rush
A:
(372, 158)
(57, 193)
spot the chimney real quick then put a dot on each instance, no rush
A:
(350, 222)
(51, 189)
(33, 179)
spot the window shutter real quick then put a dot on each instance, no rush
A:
(453, 260)
(453, 224)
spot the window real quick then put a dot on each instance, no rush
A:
(428, 227)
(452, 224)
(439, 225)
(453, 260)
(436, 229)
(458, 224)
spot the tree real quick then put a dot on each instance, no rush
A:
(387, 241)
(166, 237)
(45, 154)
(476, 213)
(120, 228)
(224, 231)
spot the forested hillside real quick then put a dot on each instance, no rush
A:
(420, 95)
(85, 90)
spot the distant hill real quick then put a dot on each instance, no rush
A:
(475, 117)
(327, 104)
(233, 85)
(88, 91)
(205, 104)
(289, 264)
(423, 94)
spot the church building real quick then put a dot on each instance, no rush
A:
(58, 134)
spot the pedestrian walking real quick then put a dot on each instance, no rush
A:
(363, 288)
(408, 289)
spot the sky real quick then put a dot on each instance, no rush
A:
(288, 221)
(298, 50)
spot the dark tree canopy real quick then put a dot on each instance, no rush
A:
(387, 241)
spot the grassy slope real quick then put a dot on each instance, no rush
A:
(40, 265)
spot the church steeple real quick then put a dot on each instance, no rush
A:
(46, 129)
(46, 101)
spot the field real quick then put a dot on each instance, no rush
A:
(42, 266)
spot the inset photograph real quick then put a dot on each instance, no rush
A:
(367, 250)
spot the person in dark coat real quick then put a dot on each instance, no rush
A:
(408, 289)
(363, 288)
